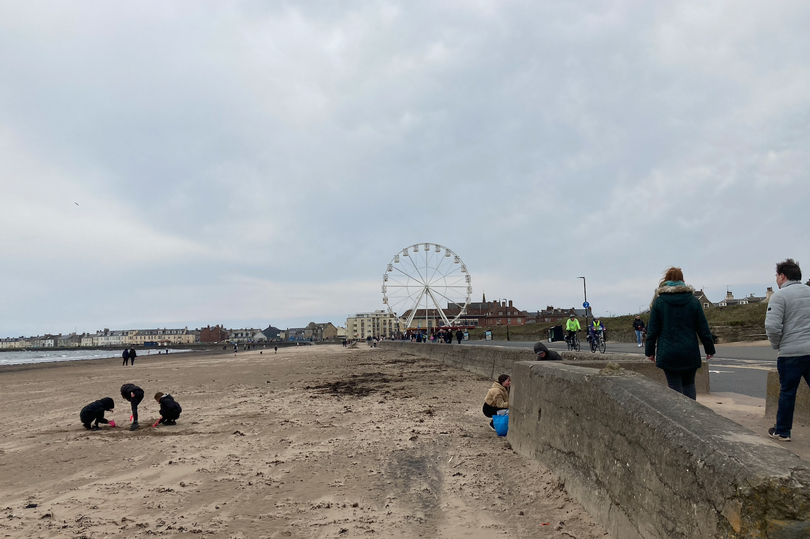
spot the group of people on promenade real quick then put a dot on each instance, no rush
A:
(677, 325)
(93, 414)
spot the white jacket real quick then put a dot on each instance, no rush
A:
(787, 322)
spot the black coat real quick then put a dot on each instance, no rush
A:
(638, 325)
(95, 410)
(551, 355)
(169, 408)
(676, 322)
(128, 389)
(125, 354)
(132, 353)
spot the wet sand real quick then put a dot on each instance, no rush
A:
(310, 442)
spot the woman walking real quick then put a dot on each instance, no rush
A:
(676, 323)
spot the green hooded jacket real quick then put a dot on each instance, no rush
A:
(676, 322)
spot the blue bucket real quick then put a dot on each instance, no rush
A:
(501, 423)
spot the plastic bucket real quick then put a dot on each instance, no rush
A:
(501, 423)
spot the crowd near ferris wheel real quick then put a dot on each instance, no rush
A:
(426, 282)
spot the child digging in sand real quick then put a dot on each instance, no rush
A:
(95, 412)
(169, 409)
(134, 395)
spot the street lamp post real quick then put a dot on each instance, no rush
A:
(585, 290)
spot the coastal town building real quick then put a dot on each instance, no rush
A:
(115, 337)
(701, 297)
(293, 334)
(553, 314)
(730, 300)
(214, 334)
(69, 341)
(477, 314)
(325, 331)
(374, 324)
(160, 337)
(242, 335)
(13, 342)
(272, 333)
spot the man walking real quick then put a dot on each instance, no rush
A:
(125, 355)
(787, 324)
(638, 327)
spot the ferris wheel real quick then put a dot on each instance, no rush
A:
(427, 277)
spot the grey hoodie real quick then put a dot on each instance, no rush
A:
(787, 322)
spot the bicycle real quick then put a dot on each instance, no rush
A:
(573, 343)
(598, 343)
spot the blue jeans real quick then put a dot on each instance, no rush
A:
(682, 382)
(638, 335)
(791, 371)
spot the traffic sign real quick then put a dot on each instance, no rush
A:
(586, 304)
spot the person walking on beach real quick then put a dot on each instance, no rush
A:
(459, 336)
(125, 355)
(169, 409)
(676, 322)
(638, 327)
(93, 414)
(787, 325)
(134, 395)
(132, 356)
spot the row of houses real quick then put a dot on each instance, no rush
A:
(105, 337)
(173, 337)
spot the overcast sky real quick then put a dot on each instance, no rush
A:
(254, 163)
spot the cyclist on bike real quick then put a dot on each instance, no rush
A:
(596, 329)
(571, 326)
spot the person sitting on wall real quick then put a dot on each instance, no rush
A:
(544, 354)
(497, 398)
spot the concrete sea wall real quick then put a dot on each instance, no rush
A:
(645, 462)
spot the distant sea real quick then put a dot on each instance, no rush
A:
(46, 356)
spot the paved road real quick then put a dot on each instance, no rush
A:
(734, 369)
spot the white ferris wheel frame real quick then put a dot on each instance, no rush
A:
(428, 279)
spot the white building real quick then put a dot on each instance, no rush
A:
(13, 342)
(376, 324)
(161, 337)
(242, 335)
(114, 338)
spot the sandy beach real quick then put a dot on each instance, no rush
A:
(310, 442)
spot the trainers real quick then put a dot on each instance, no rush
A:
(639, 346)
(492, 425)
(776, 436)
(94, 427)
(134, 426)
